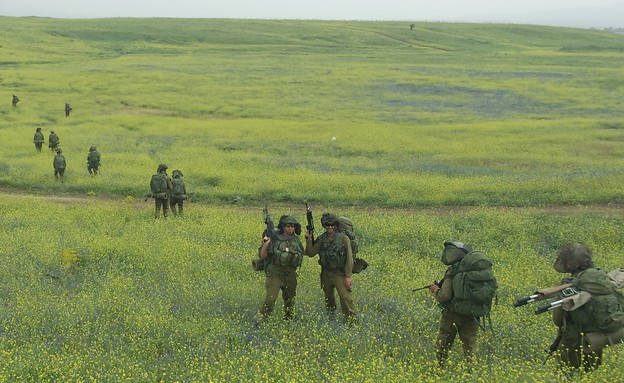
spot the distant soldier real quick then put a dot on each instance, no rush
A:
(178, 193)
(59, 165)
(15, 100)
(38, 140)
(68, 109)
(53, 140)
(160, 186)
(93, 161)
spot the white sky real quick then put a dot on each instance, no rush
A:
(578, 13)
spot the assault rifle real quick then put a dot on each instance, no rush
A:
(310, 225)
(567, 297)
(554, 345)
(439, 284)
(541, 294)
(269, 231)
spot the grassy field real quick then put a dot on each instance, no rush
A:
(506, 136)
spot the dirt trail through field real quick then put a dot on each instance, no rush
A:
(603, 209)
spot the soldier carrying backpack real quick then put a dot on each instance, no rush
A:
(465, 295)
(178, 193)
(585, 331)
(160, 187)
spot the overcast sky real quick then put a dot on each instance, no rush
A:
(575, 13)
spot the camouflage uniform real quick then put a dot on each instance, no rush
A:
(283, 255)
(451, 322)
(579, 328)
(38, 139)
(336, 260)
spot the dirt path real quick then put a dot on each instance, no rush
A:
(602, 209)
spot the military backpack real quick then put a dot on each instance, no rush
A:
(158, 184)
(345, 226)
(474, 285)
(178, 187)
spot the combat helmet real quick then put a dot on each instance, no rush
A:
(162, 167)
(454, 251)
(573, 257)
(93, 148)
(59, 150)
(287, 219)
(177, 174)
(328, 219)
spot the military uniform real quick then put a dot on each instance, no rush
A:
(178, 194)
(451, 322)
(53, 140)
(38, 139)
(93, 161)
(162, 202)
(284, 255)
(336, 260)
(598, 323)
(59, 164)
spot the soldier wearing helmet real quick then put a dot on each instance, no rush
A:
(283, 254)
(93, 161)
(59, 164)
(38, 139)
(53, 140)
(178, 193)
(453, 323)
(587, 329)
(161, 190)
(336, 260)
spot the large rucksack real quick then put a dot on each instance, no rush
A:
(178, 187)
(474, 285)
(345, 225)
(158, 184)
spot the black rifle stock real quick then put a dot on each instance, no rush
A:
(258, 263)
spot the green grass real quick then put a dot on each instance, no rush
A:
(505, 136)
(522, 108)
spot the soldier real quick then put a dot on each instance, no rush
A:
(53, 140)
(336, 260)
(178, 193)
(59, 165)
(15, 100)
(453, 323)
(38, 139)
(161, 190)
(68, 109)
(586, 330)
(283, 254)
(93, 161)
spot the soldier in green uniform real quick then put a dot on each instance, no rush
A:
(178, 193)
(336, 260)
(451, 322)
(586, 330)
(38, 139)
(283, 254)
(53, 140)
(161, 190)
(93, 161)
(15, 100)
(59, 164)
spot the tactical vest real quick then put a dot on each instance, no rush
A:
(93, 158)
(287, 252)
(332, 254)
